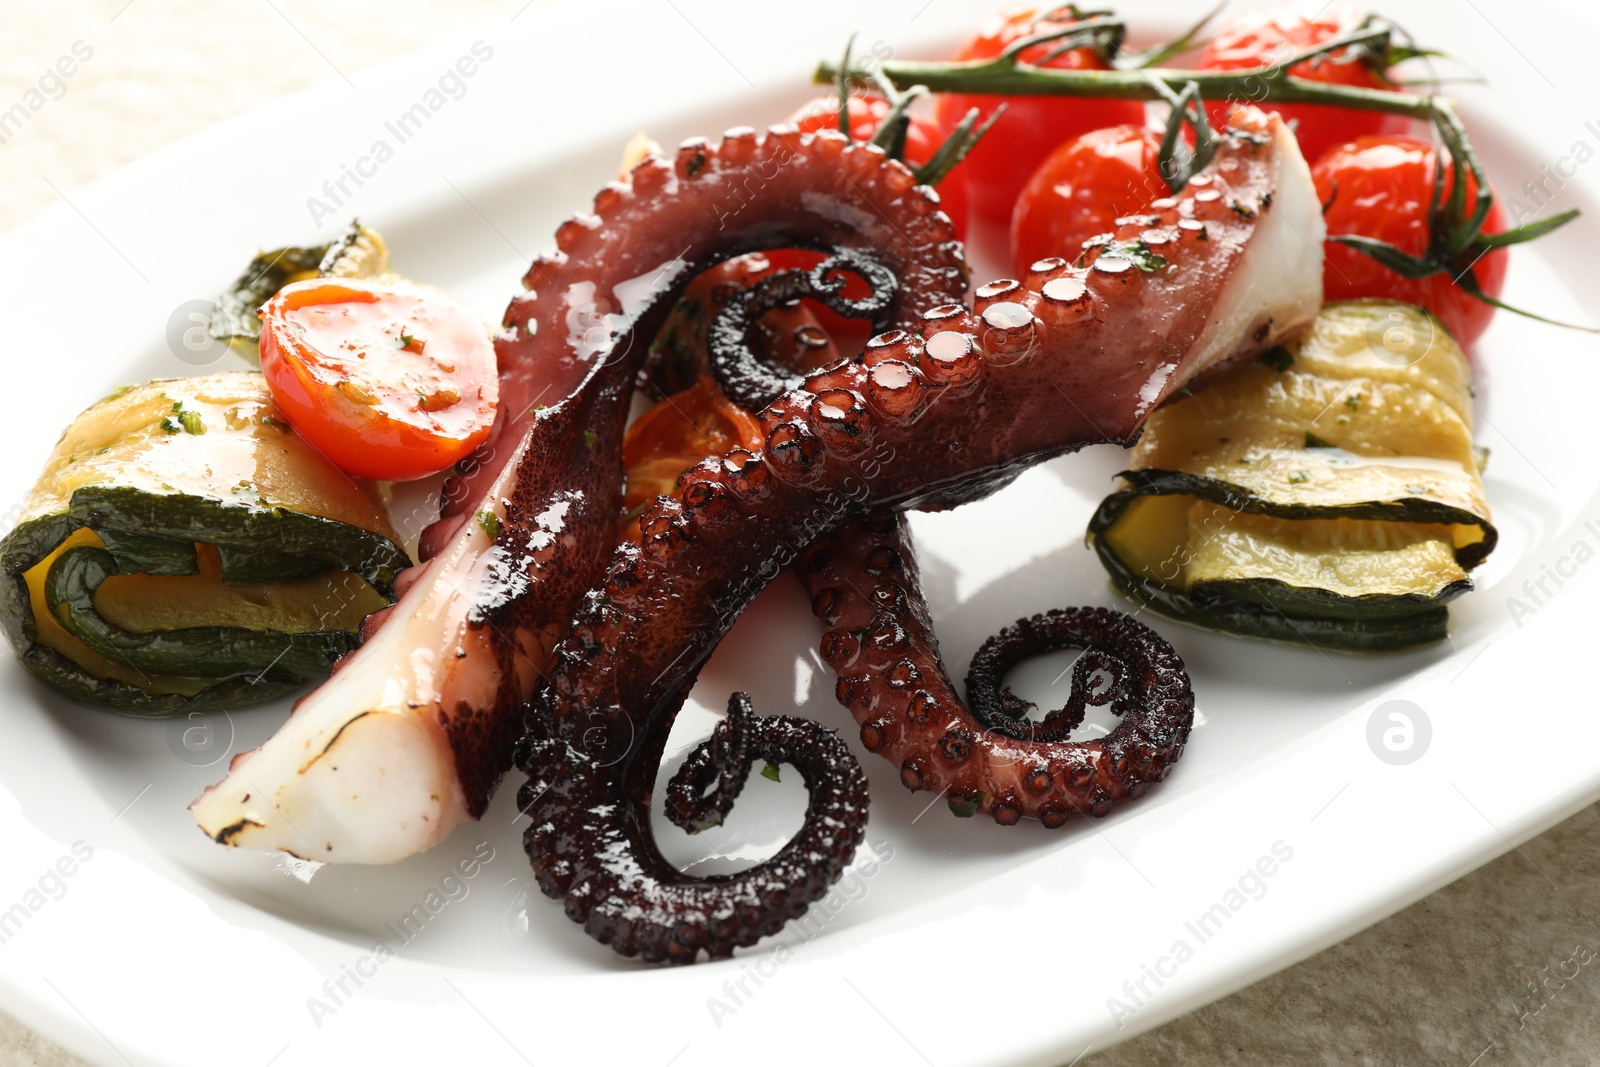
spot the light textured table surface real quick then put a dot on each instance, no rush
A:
(1465, 977)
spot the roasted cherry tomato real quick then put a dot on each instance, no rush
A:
(1258, 38)
(387, 379)
(923, 138)
(1380, 187)
(1081, 189)
(1032, 126)
(675, 434)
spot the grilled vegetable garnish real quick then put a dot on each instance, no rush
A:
(358, 253)
(1329, 494)
(185, 550)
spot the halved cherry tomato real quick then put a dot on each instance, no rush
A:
(669, 438)
(998, 167)
(923, 138)
(1081, 189)
(388, 380)
(1380, 187)
(1258, 38)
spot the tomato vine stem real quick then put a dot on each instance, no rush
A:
(1457, 240)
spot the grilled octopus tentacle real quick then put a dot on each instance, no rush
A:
(412, 733)
(987, 757)
(622, 890)
(864, 586)
(753, 382)
(1071, 355)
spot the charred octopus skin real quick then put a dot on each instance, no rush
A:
(414, 730)
(931, 415)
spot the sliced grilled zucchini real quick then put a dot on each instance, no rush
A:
(186, 550)
(1328, 493)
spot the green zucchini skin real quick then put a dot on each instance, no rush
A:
(1253, 620)
(236, 321)
(223, 651)
(73, 682)
(230, 666)
(1236, 498)
(358, 253)
(209, 695)
(152, 526)
(1274, 610)
(136, 520)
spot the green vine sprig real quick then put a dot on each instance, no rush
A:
(1100, 31)
(1456, 227)
(891, 133)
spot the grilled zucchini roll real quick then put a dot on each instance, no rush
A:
(1328, 493)
(186, 550)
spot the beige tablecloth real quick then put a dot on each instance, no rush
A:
(1466, 977)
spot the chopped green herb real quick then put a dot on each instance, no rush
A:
(1353, 402)
(589, 438)
(770, 771)
(1279, 359)
(489, 523)
(1420, 490)
(1136, 252)
(1313, 441)
(1299, 476)
(186, 421)
(278, 424)
(966, 807)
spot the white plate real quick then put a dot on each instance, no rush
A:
(972, 944)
